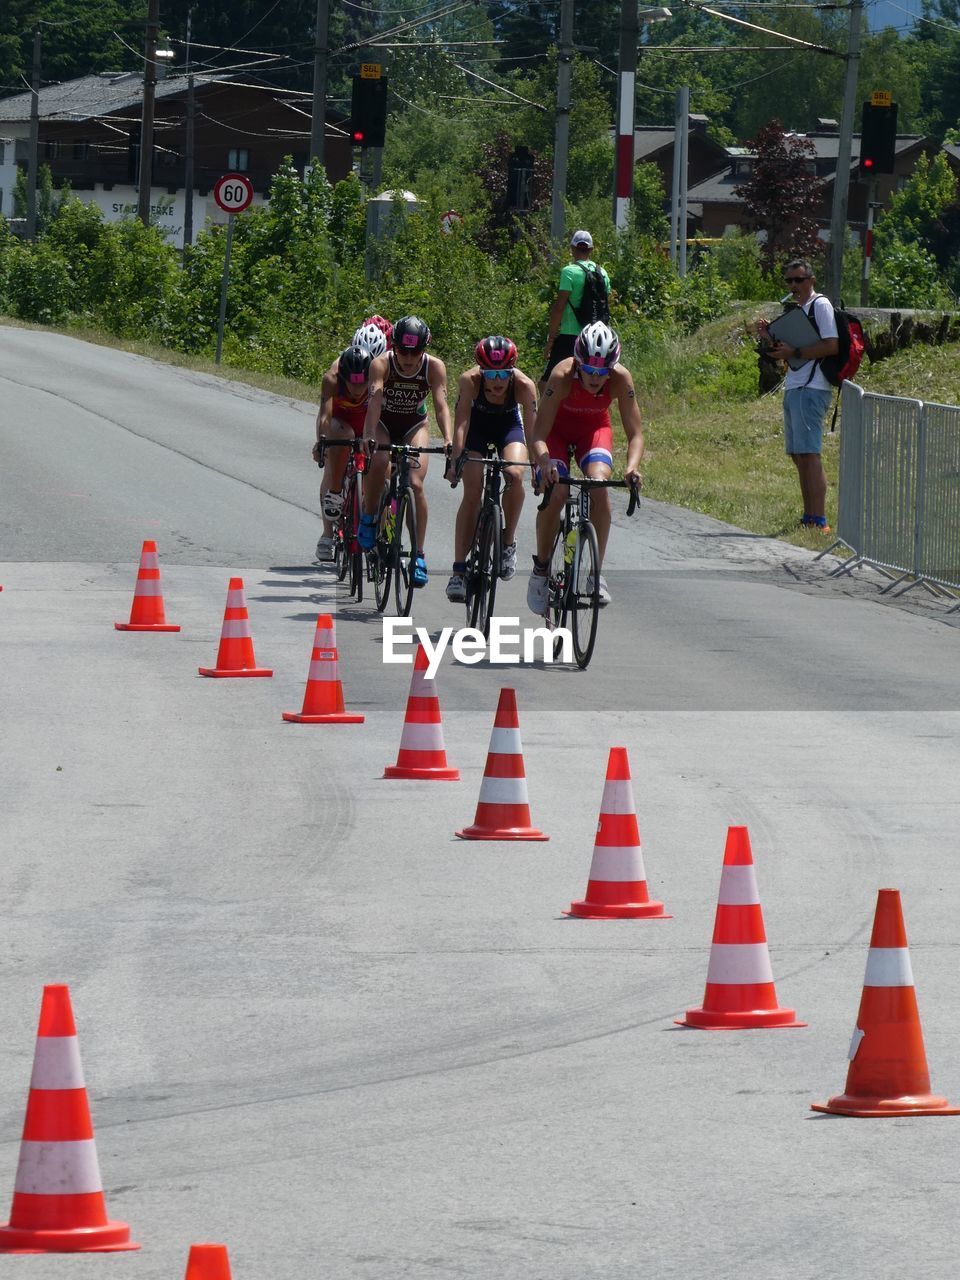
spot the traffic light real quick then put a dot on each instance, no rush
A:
(878, 139)
(368, 111)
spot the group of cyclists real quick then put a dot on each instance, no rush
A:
(376, 391)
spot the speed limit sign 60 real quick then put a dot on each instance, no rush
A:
(233, 193)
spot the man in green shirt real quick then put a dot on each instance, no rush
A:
(564, 325)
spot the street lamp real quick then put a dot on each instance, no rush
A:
(631, 19)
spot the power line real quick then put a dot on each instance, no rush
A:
(492, 83)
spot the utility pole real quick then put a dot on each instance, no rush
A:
(33, 155)
(561, 137)
(872, 205)
(188, 149)
(146, 126)
(838, 218)
(678, 191)
(626, 95)
(683, 162)
(318, 122)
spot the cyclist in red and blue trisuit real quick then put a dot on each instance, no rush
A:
(496, 406)
(574, 413)
(397, 414)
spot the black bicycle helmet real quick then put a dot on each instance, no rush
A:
(410, 334)
(354, 364)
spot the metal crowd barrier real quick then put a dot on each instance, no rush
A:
(899, 498)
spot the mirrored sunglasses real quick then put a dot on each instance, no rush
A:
(496, 375)
(594, 371)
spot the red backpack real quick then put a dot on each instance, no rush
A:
(851, 346)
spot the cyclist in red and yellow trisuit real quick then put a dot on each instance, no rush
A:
(574, 413)
(343, 408)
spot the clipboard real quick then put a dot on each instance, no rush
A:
(796, 330)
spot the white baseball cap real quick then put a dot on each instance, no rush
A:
(581, 237)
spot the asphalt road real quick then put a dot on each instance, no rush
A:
(318, 1027)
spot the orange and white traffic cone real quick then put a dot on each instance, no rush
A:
(888, 1073)
(323, 697)
(422, 754)
(208, 1262)
(58, 1204)
(740, 992)
(146, 612)
(617, 888)
(235, 657)
(503, 810)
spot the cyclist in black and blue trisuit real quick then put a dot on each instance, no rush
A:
(496, 406)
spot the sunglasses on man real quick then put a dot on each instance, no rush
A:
(796, 279)
(496, 375)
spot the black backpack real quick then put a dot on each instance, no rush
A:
(594, 304)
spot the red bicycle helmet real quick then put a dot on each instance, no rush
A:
(384, 325)
(496, 352)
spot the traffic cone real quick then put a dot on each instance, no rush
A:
(422, 753)
(323, 697)
(235, 657)
(58, 1204)
(740, 991)
(888, 1073)
(503, 811)
(617, 888)
(146, 612)
(208, 1262)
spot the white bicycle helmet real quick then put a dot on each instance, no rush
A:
(597, 344)
(372, 338)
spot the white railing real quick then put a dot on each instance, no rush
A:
(899, 502)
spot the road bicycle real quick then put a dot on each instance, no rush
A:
(573, 576)
(347, 555)
(484, 560)
(396, 547)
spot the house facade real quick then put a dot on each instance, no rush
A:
(714, 206)
(90, 137)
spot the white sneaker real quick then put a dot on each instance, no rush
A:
(325, 548)
(538, 594)
(604, 592)
(508, 561)
(457, 588)
(332, 505)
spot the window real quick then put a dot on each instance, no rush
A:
(52, 149)
(238, 160)
(80, 148)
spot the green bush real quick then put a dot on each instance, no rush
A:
(39, 287)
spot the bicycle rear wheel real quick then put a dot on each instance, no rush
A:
(381, 557)
(356, 574)
(487, 572)
(404, 553)
(585, 594)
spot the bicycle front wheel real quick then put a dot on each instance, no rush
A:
(585, 594)
(404, 553)
(381, 557)
(487, 572)
(345, 531)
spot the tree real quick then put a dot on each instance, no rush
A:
(783, 194)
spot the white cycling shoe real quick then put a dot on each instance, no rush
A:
(604, 591)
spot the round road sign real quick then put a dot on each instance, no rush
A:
(233, 193)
